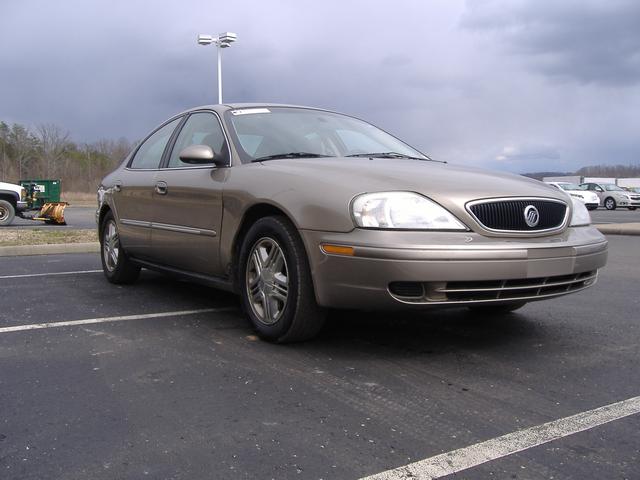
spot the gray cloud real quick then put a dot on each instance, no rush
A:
(452, 78)
(580, 40)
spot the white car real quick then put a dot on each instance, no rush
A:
(590, 199)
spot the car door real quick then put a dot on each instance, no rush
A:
(188, 200)
(133, 191)
(598, 191)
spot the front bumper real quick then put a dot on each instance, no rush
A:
(451, 268)
(624, 202)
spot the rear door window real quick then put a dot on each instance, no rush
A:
(150, 152)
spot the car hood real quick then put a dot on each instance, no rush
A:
(427, 177)
(10, 186)
(587, 193)
(333, 182)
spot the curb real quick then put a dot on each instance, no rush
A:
(619, 228)
(50, 249)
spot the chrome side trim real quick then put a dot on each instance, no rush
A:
(135, 223)
(169, 228)
(183, 229)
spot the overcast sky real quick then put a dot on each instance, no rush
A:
(518, 85)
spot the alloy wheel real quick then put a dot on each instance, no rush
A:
(111, 246)
(267, 281)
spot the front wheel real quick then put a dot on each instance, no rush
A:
(632, 208)
(497, 309)
(7, 213)
(610, 203)
(116, 265)
(592, 207)
(275, 282)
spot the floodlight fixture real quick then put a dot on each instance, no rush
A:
(205, 39)
(226, 39)
(223, 40)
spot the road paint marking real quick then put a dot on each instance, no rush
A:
(474, 455)
(36, 326)
(49, 274)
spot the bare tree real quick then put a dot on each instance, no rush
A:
(55, 143)
(4, 141)
(23, 145)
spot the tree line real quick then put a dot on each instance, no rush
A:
(47, 152)
(609, 171)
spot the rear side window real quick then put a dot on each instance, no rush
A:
(200, 129)
(150, 152)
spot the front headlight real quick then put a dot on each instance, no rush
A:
(580, 214)
(401, 210)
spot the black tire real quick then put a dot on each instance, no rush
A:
(632, 208)
(7, 213)
(275, 283)
(116, 265)
(610, 203)
(501, 309)
(592, 208)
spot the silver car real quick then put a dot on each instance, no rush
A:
(300, 209)
(613, 196)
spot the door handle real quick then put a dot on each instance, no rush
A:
(161, 188)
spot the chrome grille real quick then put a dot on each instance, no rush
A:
(508, 215)
(499, 290)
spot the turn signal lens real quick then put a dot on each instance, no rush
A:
(337, 250)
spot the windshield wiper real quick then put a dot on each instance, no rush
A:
(289, 155)
(387, 155)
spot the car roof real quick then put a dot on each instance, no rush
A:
(220, 108)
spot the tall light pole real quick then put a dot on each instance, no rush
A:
(223, 40)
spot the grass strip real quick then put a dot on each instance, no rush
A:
(11, 237)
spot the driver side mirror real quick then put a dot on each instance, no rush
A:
(200, 155)
(598, 189)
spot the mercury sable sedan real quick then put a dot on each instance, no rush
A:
(300, 209)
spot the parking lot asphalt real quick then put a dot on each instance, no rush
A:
(196, 395)
(618, 215)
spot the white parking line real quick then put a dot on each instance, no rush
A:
(474, 455)
(36, 326)
(49, 274)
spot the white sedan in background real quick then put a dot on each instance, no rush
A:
(590, 199)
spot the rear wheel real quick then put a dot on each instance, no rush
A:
(116, 265)
(497, 309)
(632, 208)
(592, 207)
(7, 213)
(275, 283)
(610, 203)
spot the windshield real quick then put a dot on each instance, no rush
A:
(285, 132)
(571, 186)
(612, 188)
